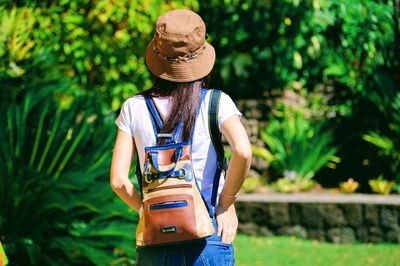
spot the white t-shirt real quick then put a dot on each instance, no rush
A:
(134, 119)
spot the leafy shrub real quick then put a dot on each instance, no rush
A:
(56, 204)
(3, 257)
(381, 186)
(100, 43)
(299, 146)
(24, 62)
(57, 207)
(268, 44)
(251, 184)
(287, 185)
(349, 186)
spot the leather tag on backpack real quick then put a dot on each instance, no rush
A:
(168, 229)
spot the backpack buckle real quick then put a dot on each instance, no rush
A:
(169, 137)
(148, 177)
(183, 174)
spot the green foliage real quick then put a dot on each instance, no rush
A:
(251, 184)
(56, 204)
(23, 59)
(364, 41)
(381, 186)
(287, 185)
(386, 97)
(349, 186)
(54, 169)
(269, 44)
(262, 153)
(265, 47)
(300, 146)
(101, 43)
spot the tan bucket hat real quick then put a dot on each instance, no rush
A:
(179, 51)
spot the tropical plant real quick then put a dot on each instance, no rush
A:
(251, 184)
(299, 145)
(262, 153)
(55, 167)
(56, 205)
(369, 23)
(349, 186)
(381, 185)
(287, 185)
(340, 44)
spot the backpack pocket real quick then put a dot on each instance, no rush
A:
(168, 205)
(174, 210)
(161, 223)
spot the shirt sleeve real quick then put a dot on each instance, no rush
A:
(124, 119)
(227, 109)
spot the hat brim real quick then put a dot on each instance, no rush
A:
(181, 71)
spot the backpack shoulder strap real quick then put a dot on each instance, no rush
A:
(215, 134)
(155, 117)
(214, 129)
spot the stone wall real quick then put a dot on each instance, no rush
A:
(337, 222)
(254, 118)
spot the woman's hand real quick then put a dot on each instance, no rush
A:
(227, 222)
(238, 168)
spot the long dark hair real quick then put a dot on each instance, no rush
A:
(184, 97)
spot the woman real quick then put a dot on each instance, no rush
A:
(181, 61)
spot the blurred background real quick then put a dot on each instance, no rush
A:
(318, 82)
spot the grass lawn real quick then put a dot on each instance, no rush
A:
(281, 251)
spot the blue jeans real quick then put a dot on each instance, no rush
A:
(206, 252)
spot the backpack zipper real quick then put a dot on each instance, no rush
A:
(169, 187)
(168, 205)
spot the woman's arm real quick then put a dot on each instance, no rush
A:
(123, 152)
(237, 171)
